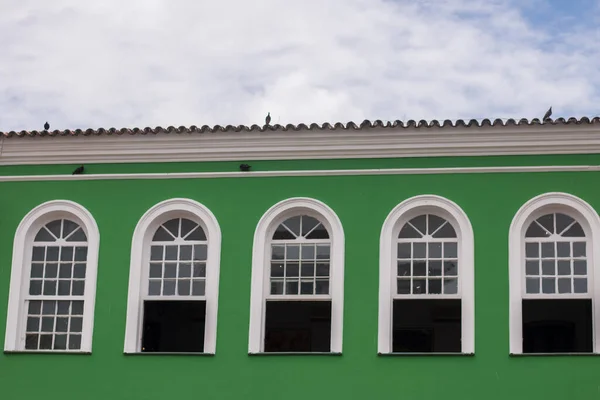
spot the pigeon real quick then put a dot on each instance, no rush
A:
(46, 126)
(78, 171)
(548, 114)
(245, 167)
(268, 119)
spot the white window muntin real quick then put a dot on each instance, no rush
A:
(574, 258)
(428, 240)
(298, 241)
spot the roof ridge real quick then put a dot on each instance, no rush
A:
(397, 124)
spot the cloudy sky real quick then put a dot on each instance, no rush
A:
(126, 63)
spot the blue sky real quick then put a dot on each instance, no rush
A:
(182, 62)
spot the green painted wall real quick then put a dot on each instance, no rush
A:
(362, 203)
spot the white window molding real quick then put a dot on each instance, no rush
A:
(140, 255)
(21, 268)
(261, 259)
(586, 216)
(396, 219)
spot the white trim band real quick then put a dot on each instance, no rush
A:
(324, 172)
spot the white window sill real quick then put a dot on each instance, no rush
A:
(79, 352)
(554, 354)
(426, 354)
(159, 353)
(296, 353)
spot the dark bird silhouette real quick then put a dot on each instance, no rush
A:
(245, 167)
(268, 119)
(78, 170)
(46, 126)
(548, 114)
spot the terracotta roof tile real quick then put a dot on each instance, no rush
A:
(300, 127)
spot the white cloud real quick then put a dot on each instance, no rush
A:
(153, 62)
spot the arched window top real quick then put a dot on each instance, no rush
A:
(301, 227)
(427, 226)
(61, 229)
(179, 229)
(554, 224)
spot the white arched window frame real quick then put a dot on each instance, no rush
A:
(397, 218)
(29, 227)
(261, 266)
(550, 203)
(140, 259)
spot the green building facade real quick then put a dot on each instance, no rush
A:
(417, 261)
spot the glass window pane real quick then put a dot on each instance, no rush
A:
(580, 285)
(434, 286)
(292, 269)
(563, 249)
(277, 287)
(579, 249)
(277, 269)
(564, 267)
(38, 253)
(548, 285)
(185, 270)
(404, 268)
(291, 287)
(564, 285)
(532, 250)
(419, 250)
(419, 286)
(532, 267)
(450, 250)
(183, 287)
(199, 270)
(156, 253)
(168, 287)
(435, 250)
(37, 270)
(306, 287)
(450, 286)
(78, 288)
(200, 252)
(322, 286)
(579, 267)
(66, 253)
(198, 287)
(403, 286)
(154, 287)
(532, 285)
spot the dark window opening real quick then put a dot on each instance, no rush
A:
(173, 326)
(557, 326)
(298, 326)
(427, 326)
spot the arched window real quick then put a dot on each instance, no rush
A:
(551, 276)
(426, 279)
(173, 288)
(297, 279)
(53, 280)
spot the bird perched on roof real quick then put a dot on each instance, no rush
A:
(548, 114)
(245, 167)
(46, 126)
(268, 119)
(78, 170)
